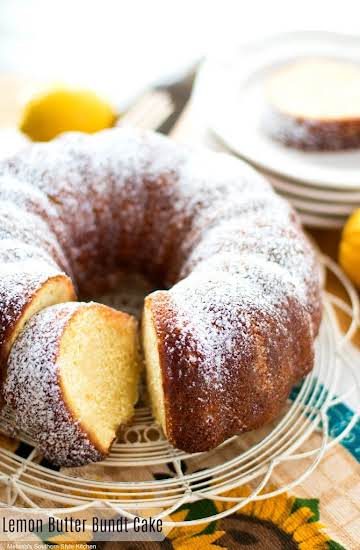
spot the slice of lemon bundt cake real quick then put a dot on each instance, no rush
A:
(72, 380)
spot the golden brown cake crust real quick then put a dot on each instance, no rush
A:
(312, 135)
(202, 411)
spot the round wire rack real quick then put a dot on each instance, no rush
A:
(144, 475)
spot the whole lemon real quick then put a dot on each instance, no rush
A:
(62, 110)
(349, 254)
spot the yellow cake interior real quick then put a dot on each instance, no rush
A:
(99, 370)
(152, 362)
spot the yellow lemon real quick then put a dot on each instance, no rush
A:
(62, 110)
(349, 254)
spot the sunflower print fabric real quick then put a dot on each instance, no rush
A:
(281, 522)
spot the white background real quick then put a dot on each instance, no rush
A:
(119, 46)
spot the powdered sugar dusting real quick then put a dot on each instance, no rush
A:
(219, 304)
(32, 389)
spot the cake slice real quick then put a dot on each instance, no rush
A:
(314, 104)
(72, 380)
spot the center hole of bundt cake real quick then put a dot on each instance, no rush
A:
(123, 290)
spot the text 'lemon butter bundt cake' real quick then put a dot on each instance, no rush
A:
(234, 328)
(72, 380)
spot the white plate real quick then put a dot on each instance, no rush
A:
(312, 204)
(229, 93)
(313, 193)
(322, 193)
(318, 207)
(320, 221)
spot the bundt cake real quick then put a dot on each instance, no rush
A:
(314, 104)
(235, 326)
(72, 380)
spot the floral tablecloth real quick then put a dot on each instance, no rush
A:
(322, 513)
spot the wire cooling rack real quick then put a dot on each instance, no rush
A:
(144, 475)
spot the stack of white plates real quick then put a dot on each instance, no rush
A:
(324, 187)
